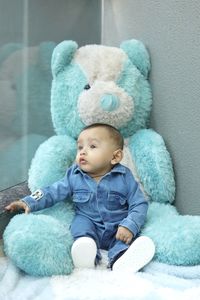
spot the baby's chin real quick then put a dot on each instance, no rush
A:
(85, 168)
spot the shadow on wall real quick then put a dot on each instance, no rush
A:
(25, 119)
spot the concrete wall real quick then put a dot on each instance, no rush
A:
(171, 31)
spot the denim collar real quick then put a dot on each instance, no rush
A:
(118, 168)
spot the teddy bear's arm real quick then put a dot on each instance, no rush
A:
(51, 160)
(153, 165)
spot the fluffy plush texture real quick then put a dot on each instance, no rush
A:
(150, 165)
(177, 241)
(54, 148)
(59, 218)
(115, 80)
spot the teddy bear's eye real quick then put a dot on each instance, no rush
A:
(87, 87)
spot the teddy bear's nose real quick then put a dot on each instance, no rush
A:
(109, 102)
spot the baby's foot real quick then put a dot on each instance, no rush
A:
(84, 251)
(140, 253)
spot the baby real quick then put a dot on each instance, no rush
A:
(110, 207)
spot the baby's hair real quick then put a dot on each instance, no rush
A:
(114, 132)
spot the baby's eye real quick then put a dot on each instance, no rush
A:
(80, 147)
(92, 146)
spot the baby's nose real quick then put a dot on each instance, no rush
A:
(82, 152)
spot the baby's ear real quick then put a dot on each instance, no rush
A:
(117, 156)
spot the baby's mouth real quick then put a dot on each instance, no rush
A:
(82, 161)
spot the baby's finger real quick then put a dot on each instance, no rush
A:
(117, 235)
(128, 240)
(27, 210)
(121, 237)
(10, 208)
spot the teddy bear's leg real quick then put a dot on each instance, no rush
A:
(51, 161)
(153, 165)
(40, 243)
(176, 237)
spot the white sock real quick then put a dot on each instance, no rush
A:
(84, 251)
(140, 253)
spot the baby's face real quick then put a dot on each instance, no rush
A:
(95, 151)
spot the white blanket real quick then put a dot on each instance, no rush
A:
(155, 282)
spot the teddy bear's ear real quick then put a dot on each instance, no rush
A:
(138, 54)
(62, 55)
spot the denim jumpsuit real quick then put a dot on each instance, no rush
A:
(100, 207)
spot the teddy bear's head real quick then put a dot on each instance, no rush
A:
(98, 83)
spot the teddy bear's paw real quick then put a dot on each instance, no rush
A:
(39, 245)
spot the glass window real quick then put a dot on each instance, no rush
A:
(29, 31)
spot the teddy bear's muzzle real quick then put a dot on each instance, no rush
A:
(109, 102)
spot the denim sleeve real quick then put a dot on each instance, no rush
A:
(138, 205)
(50, 195)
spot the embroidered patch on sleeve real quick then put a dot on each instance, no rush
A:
(37, 195)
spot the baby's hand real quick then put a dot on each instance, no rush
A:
(124, 234)
(17, 205)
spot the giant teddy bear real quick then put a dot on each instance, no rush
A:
(96, 83)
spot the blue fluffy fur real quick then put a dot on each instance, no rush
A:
(154, 165)
(62, 56)
(132, 81)
(138, 54)
(66, 87)
(40, 260)
(59, 154)
(177, 240)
